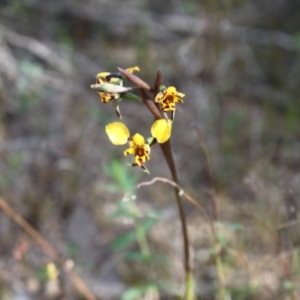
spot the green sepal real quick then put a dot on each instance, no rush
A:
(117, 97)
(117, 108)
(162, 88)
(131, 96)
(172, 115)
(142, 166)
(151, 141)
(145, 169)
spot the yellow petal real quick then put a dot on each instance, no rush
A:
(159, 97)
(161, 130)
(99, 80)
(129, 151)
(131, 70)
(114, 80)
(102, 75)
(138, 139)
(105, 97)
(180, 95)
(171, 90)
(117, 132)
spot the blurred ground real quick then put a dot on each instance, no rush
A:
(237, 62)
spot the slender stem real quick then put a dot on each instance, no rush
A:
(167, 151)
(220, 272)
(142, 241)
(189, 293)
(151, 105)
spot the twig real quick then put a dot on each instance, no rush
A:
(182, 193)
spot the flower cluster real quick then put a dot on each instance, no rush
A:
(110, 88)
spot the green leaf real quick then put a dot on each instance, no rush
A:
(131, 96)
(41, 274)
(133, 293)
(138, 291)
(146, 225)
(288, 285)
(123, 241)
(125, 209)
(235, 226)
(153, 214)
(119, 172)
(127, 239)
(153, 258)
(31, 69)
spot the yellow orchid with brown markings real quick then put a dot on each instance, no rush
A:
(168, 97)
(162, 106)
(119, 134)
(109, 86)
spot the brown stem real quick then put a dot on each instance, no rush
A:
(135, 80)
(151, 105)
(167, 151)
(157, 83)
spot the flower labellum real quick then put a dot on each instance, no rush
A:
(140, 149)
(119, 134)
(107, 97)
(168, 98)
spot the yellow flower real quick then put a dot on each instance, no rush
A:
(140, 149)
(161, 130)
(131, 70)
(99, 80)
(168, 97)
(114, 77)
(107, 97)
(119, 134)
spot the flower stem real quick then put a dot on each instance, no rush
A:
(168, 154)
(189, 293)
(167, 151)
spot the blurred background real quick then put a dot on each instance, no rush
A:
(236, 141)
